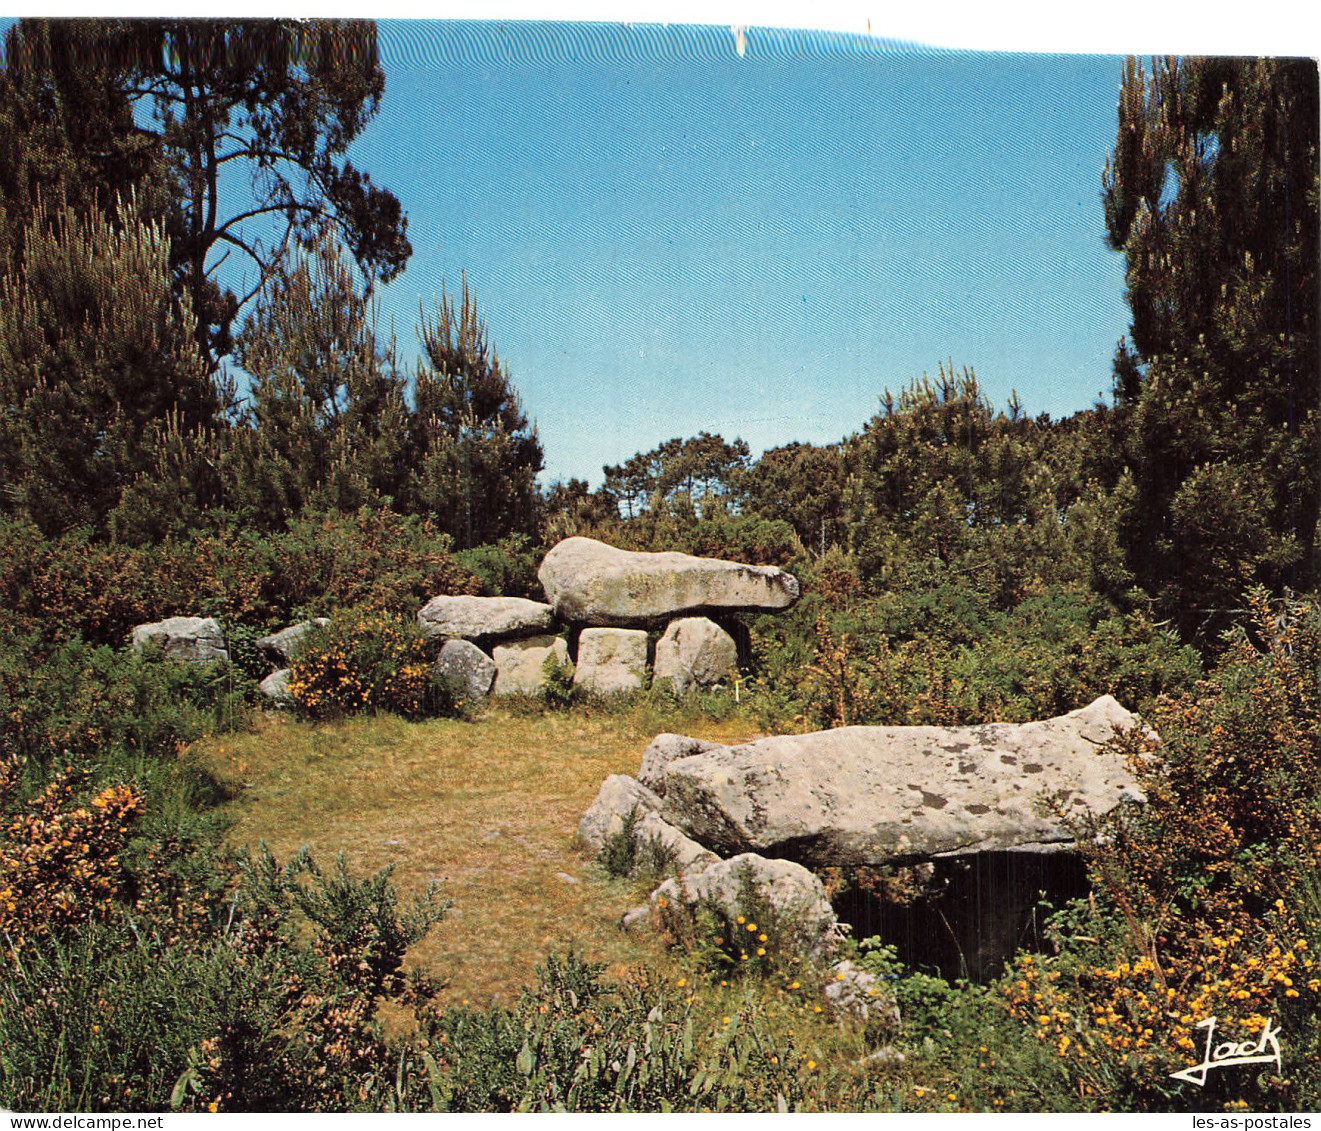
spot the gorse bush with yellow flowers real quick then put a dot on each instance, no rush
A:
(59, 855)
(365, 660)
(1206, 901)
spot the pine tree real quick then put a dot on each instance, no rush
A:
(97, 354)
(473, 457)
(169, 106)
(1212, 194)
(324, 427)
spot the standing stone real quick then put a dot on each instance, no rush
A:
(184, 638)
(466, 668)
(588, 582)
(695, 652)
(611, 660)
(518, 664)
(281, 647)
(483, 618)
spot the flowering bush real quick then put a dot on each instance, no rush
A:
(1208, 903)
(363, 661)
(59, 860)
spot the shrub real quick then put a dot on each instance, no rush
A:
(573, 1043)
(625, 854)
(1207, 899)
(559, 691)
(72, 701)
(73, 585)
(60, 860)
(362, 661)
(272, 1007)
(896, 660)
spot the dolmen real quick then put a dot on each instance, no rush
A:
(603, 611)
(951, 804)
(604, 604)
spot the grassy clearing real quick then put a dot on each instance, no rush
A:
(487, 808)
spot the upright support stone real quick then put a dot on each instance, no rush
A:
(694, 652)
(611, 660)
(518, 664)
(466, 668)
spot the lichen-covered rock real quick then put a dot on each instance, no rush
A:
(664, 749)
(483, 619)
(879, 795)
(686, 853)
(694, 652)
(858, 994)
(519, 664)
(281, 647)
(276, 685)
(588, 582)
(189, 639)
(795, 894)
(466, 669)
(618, 796)
(611, 660)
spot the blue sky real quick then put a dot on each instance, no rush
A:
(666, 237)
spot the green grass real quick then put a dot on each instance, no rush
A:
(489, 809)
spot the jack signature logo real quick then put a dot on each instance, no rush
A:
(1230, 1053)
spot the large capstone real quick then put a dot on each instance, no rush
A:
(611, 660)
(183, 638)
(694, 652)
(483, 618)
(879, 795)
(588, 582)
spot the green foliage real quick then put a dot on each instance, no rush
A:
(507, 568)
(681, 476)
(321, 563)
(752, 939)
(574, 1044)
(67, 132)
(625, 854)
(941, 484)
(270, 1004)
(72, 700)
(471, 454)
(927, 1004)
(559, 692)
(803, 485)
(1212, 194)
(183, 100)
(364, 661)
(943, 655)
(96, 358)
(324, 426)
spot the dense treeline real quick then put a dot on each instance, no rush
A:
(168, 446)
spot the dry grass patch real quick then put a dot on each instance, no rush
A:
(489, 809)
